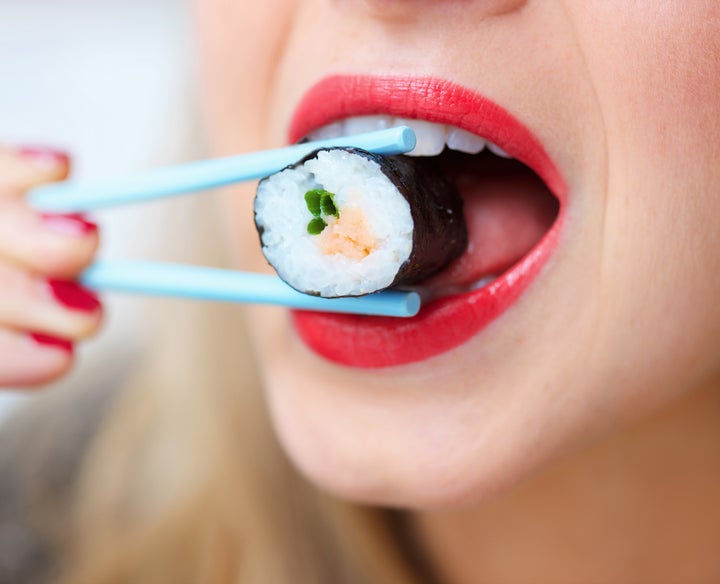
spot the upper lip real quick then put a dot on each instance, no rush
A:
(430, 99)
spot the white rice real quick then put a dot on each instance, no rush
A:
(282, 215)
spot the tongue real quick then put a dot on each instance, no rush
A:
(506, 216)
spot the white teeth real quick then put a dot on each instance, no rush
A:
(361, 124)
(431, 138)
(464, 141)
(482, 282)
(430, 293)
(497, 151)
(334, 130)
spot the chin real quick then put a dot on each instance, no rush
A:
(454, 430)
(442, 467)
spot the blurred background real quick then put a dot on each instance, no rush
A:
(113, 83)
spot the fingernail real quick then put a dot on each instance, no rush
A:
(44, 158)
(50, 341)
(69, 223)
(73, 296)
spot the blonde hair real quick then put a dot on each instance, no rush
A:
(186, 483)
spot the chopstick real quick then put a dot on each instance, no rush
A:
(71, 196)
(234, 286)
(155, 278)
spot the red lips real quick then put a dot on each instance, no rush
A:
(444, 324)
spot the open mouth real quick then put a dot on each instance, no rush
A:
(508, 208)
(512, 197)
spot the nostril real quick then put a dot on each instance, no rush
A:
(413, 10)
(394, 10)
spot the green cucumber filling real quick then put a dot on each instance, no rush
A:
(321, 204)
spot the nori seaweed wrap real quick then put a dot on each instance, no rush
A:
(346, 222)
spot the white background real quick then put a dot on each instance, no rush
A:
(111, 82)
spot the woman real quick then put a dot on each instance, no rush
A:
(557, 424)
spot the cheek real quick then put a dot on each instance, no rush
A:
(240, 46)
(656, 71)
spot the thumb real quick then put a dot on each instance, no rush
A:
(26, 167)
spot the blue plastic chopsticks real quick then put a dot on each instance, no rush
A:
(210, 283)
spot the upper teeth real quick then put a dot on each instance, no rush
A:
(431, 138)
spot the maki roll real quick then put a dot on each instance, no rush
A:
(346, 222)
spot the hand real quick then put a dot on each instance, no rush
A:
(42, 311)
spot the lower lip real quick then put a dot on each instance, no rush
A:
(446, 323)
(374, 341)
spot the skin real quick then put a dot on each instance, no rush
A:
(611, 354)
(595, 343)
(33, 250)
(585, 416)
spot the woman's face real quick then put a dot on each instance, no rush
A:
(614, 312)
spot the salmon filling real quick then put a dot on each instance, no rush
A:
(348, 235)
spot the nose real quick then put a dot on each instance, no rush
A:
(412, 9)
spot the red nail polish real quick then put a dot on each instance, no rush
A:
(69, 223)
(73, 295)
(44, 158)
(50, 341)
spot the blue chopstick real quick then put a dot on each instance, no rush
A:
(197, 282)
(234, 286)
(70, 196)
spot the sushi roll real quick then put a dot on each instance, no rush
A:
(346, 222)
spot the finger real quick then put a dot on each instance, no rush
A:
(58, 246)
(59, 308)
(29, 359)
(24, 168)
